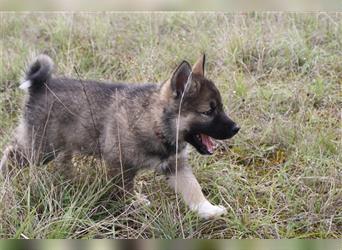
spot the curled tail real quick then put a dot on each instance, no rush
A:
(38, 73)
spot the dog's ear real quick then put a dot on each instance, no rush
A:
(180, 77)
(198, 67)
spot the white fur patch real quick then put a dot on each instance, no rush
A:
(25, 85)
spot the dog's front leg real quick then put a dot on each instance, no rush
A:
(185, 183)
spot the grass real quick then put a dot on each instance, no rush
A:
(280, 76)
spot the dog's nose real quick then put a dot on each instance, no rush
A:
(236, 129)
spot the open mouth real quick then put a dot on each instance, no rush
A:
(203, 143)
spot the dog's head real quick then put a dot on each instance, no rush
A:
(201, 110)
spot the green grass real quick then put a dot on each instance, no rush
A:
(280, 76)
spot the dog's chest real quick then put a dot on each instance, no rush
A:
(169, 164)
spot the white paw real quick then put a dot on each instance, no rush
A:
(206, 210)
(141, 200)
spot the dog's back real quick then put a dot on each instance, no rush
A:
(66, 115)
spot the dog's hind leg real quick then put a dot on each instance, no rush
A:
(12, 155)
(64, 165)
(4, 160)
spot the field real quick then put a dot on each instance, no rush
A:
(280, 76)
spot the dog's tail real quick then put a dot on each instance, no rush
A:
(38, 72)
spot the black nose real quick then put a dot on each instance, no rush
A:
(235, 129)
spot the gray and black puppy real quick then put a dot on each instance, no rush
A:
(131, 127)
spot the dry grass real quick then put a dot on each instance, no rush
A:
(280, 76)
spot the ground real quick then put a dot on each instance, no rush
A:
(280, 76)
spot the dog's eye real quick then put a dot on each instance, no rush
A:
(209, 112)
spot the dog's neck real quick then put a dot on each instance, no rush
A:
(164, 137)
(163, 134)
(159, 133)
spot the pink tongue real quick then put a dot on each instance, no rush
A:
(208, 142)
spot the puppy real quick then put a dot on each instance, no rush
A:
(130, 126)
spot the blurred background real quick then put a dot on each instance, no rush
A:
(175, 5)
